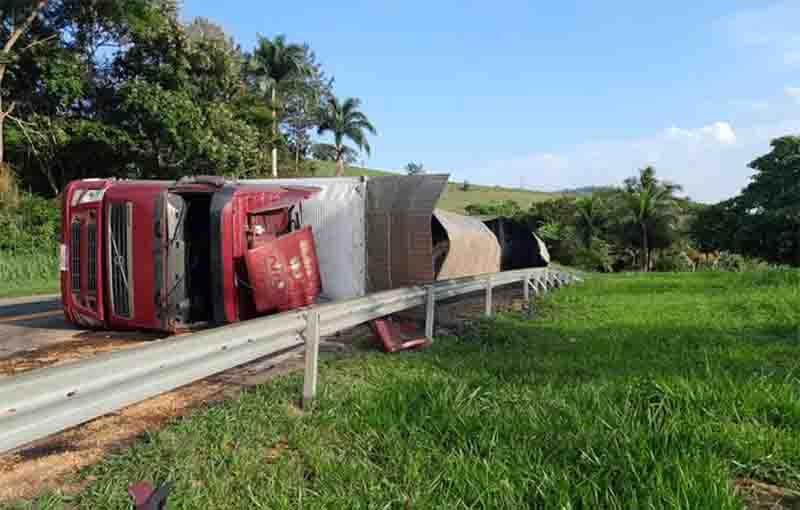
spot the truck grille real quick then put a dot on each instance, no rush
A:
(75, 255)
(120, 248)
(91, 257)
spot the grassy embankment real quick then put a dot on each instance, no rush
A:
(628, 391)
(28, 274)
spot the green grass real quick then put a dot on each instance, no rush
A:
(328, 169)
(454, 199)
(29, 273)
(628, 391)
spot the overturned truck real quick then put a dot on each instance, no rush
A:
(176, 255)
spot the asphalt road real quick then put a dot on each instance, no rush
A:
(32, 323)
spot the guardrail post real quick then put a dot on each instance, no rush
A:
(311, 336)
(526, 291)
(430, 309)
(488, 311)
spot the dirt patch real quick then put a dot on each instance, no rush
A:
(276, 452)
(83, 346)
(764, 496)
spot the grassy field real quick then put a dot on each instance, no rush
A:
(629, 391)
(328, 169)
(28, 274)
(454, 199)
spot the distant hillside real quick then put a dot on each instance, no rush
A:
(454, 198)
(328, 169)
(585, 190)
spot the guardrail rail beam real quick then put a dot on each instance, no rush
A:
(49, 400)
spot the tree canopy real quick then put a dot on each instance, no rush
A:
(123, 88)
(764, 220)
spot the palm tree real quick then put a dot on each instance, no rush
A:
(345, 120)
(590, 218)
(650, 202)
(273, 63)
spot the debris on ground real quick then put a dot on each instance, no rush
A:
(764, 496)
(145, 497)
(399, 335)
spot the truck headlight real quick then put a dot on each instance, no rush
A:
(92, 195)
(63, 262)
(76, 195)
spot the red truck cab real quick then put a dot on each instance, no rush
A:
(169, 256)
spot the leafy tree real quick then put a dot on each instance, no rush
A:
(415, 168)
(124, 88)
(561, 240)
(560, 210)
(716, 227)
(650, 204)
(58, 80)
(15, 21)
(770, 205)
(204, 29)
(345, 120)
(506, 208)
(590, 219)
(327, 152)
(304, 99)
(764, 220)
(274, 64)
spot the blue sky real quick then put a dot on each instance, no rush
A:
(554, 94)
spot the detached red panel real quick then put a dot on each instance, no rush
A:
(284, 272)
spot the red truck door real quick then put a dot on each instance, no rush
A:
(284, 272)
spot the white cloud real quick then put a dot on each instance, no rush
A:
(709, 161)
(770, 29)
(793, 93)
(719, 132)
(722, 132)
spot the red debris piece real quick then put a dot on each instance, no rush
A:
(145, 497)
(399, 336)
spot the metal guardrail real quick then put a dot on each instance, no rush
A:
(42, 402)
